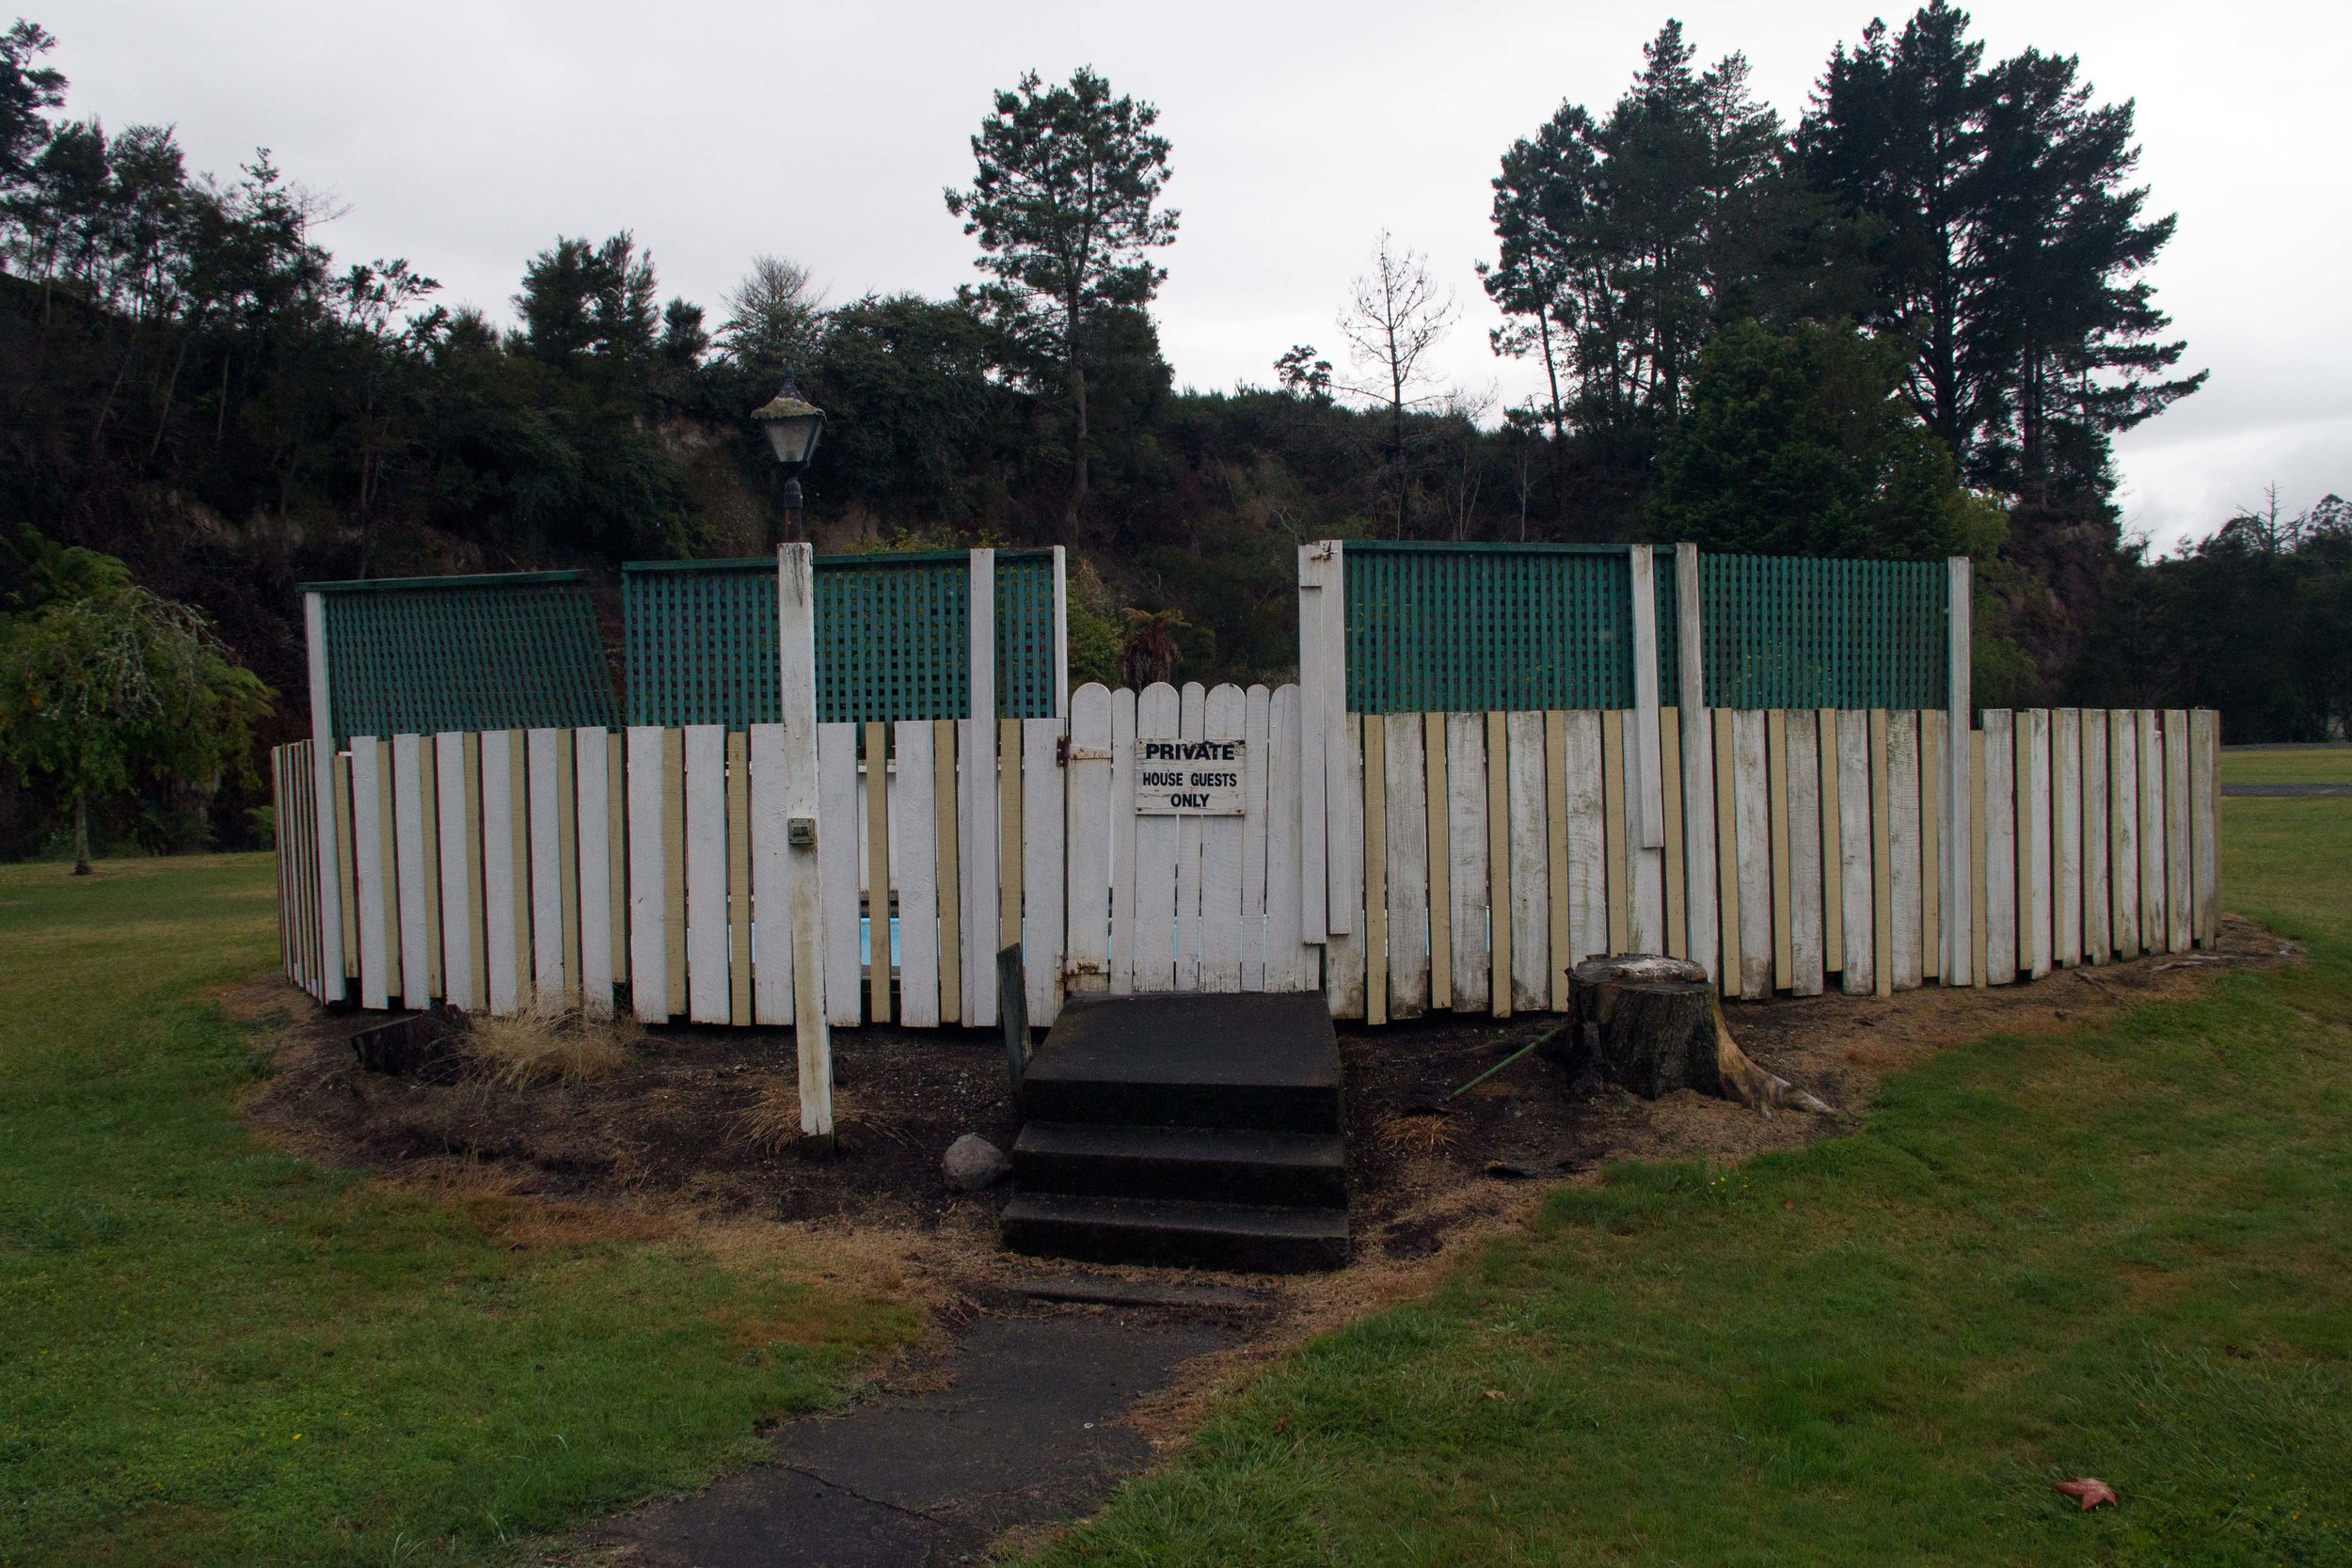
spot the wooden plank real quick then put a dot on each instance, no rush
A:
(1439, 851)
(1556, 854)
(2154, 929)
(1700, 881)
(875, 751)
(1499, 894)
(1644, 766)
(1012, 868)
(1670, 792)
(648, 876)
(1855, 868)
(1376, 869)
(388, 849)
(1257, 722)
(833, 904)
(1978, 944)
(1934, 775)
(1343, 950)
(1613, 816)
(1158, 717)
(2123, 830)
(1784, 896)
(946, 827)
(2066, 828)
(2204, 799)
(1465, 843)
(1191, 725)
(1531, 886)
(706, 873)
(345, 874)
(372, 872)
(429, 830)
(1318, 699)
(2033, 842)
(2000, 846)
(566, 790)
(545, 784)
(1587, 838)
(1806, 966)
(1728, 852)
(1833, 842)
(1644, 863)
(1039, 842)
(616, 851)
(504, 897)
(329, 833)
(1752, 829)
(1904, 874)
(408, 819)
(2180, 930)
(1089, 855)
(914, 837)
(771, 882)
(673, 863)
(591, 778)
(1220, 886)
(1289, 963)
(975, 803)
(461, 863)
(1124, 708)
(1882, 861)
(1343, 780)
(1405, 794)
(2098, 902)
(1956, 793)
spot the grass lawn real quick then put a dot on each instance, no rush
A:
(213, 1354)
(2284, 764)
(2126, 1253)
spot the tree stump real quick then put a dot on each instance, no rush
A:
(1648, 1022)
(1654, 1025)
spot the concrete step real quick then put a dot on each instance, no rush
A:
(1265, 1062)
(1215, 1165)
(1247, 1236)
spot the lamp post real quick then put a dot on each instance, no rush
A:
(793, 425)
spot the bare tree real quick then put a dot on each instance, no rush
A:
(1395, 315)
(774, 317)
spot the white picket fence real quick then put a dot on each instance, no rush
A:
(1793, 849)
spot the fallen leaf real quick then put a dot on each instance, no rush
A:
(1496, 1394)
(2089, 1492)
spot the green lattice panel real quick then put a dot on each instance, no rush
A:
(423, 654)
(892, 634)
(1473, 627)
(1788, 631)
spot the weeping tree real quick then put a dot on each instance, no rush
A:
(104, 685)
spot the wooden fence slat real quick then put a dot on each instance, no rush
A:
(1903, 880)
(1375, 928)
(1784, 915)
(1751, 831)
(1935, 778)
(617, 851)
(1499, 894)
(1041, 845)
(591, 778)
(914, 839)
(1804, 854)
(1882, 861)
(1671, 866)
(948, 827)
(1531, 888)
(1257, 720)
(706, 873)
(2098, 899)
(1438, 855)
(1556, 852)
(1220, 874)
(1158, 717)
(1618, 875)
(550, 981)
(2123, 830)
(1855, 871)
(2204, 796)
(1728, 851)
(1466, 874)
(1408, 870)
(648, 876)
(1191, 725)
(1343, 950)
(2180, 930)
(673, 863)
(429, 832)
(2000, 846)
(978, 817)
(839, 979)
(505, 897)
(461, 863)
(1588, 893)
(1089, 810)
(2154, 929)
(771, 882)
(1289, 960)
(371, 863)
(346, 874)
(2066, 837)
(568, 865)
(1012, 867)
(1978, 940)
(874, 807)
(2033, 843)
(408, 803)
(1125, 706)
(1833, 841)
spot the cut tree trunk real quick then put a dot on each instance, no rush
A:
(1653, 1024)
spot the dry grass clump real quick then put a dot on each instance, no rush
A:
(773, 1121)
(533, 1047)
(1421, 1133)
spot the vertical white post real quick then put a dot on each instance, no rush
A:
(1650, 817)
(1957, 880)
(796, 651)
(1061, 633)
(977, 802)
(1698, 769)
(323, 775)
(1313, 696)
(1341, 779)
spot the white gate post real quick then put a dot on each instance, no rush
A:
(1703, 930)
(323, 776)
(796, 649)
(1956, 850)
(1650, 817)
(976, 801)
(1061, 633)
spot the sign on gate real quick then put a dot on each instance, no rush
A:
(1189, 777)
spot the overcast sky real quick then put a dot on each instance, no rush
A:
(467, 135)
